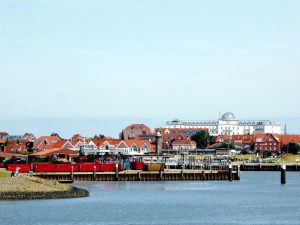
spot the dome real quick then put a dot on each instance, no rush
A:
(228, 116)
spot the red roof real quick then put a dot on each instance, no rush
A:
(48, 152)
(285, 139)
(8, 155)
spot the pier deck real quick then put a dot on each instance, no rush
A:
(138, 175)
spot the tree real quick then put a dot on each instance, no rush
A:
(225, 144)
(212, 139)
(201, 139)
(291, 148)
(91, 158)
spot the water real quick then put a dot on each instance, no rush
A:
(258, 198)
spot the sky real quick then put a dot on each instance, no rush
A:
(84, 66)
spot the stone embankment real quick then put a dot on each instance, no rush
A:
(24, 187)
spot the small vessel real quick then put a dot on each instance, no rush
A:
(66, 181)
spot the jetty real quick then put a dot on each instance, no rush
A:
(139, 175)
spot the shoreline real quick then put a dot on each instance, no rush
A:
(74, 192)
(24, 187)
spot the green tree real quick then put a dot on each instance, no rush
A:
(225, 144)
(212, 139)
(91, 158)
(291, 148)
(201, 139)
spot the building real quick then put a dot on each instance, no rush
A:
(169, 135)
(187, 145)
(136, 132)
(229, 125)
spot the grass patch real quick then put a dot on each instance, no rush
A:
(4, 174)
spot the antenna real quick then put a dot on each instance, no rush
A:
(285, 129)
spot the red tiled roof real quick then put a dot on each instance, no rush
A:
(53, 151)
(285, 139)
(8, 155)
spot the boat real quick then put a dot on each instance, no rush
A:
(66, 181)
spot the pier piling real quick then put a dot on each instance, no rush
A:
(230, 172)
(283, 176)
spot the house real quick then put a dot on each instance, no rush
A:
(16, 146)
(45, 142)
(61, 154)
(171, 134)
(2, 146)
(133, 147)
(285, 139)
(4, 135)
(184, 145)
(76, 144)
(76, 137)
(267, 142)
(243, 141)
(134, 131)
(29, 137)
(7, 155)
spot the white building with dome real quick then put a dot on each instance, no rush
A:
(229, 125)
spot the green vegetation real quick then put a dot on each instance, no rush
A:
(201, 139)
(91, 158)
(291, 148)
(225, 144)
(4, 174)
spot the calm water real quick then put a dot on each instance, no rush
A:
(258, 198)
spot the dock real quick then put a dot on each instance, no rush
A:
(267, 166)
(138, 175)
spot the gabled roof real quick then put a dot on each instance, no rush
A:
(3, 134)
(223, 137)
(49, 140)
(48, 152)
(265, 136)
(61, 144)
(137, 143)
(29, 136)
(76, 137)
(16, 145)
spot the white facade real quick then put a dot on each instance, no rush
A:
(229, 125)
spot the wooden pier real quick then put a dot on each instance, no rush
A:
(137, 175)
(268, 166)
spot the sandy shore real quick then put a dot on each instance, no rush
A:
(27, 187)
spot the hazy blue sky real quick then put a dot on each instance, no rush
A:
(79, 66)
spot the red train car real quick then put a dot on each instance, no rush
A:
(89, 167)
(44, 167)
(23, 168)
(109, 167)
(136, 165)
(67, 167)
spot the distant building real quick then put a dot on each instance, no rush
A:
(184, 145)
(169, 135)
(229, 125)
(136, 132)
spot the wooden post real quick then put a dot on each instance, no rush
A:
(94, 173)
(72, 173)
(230, 172)
(117, 172)
(283, 171)
(238, 172)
